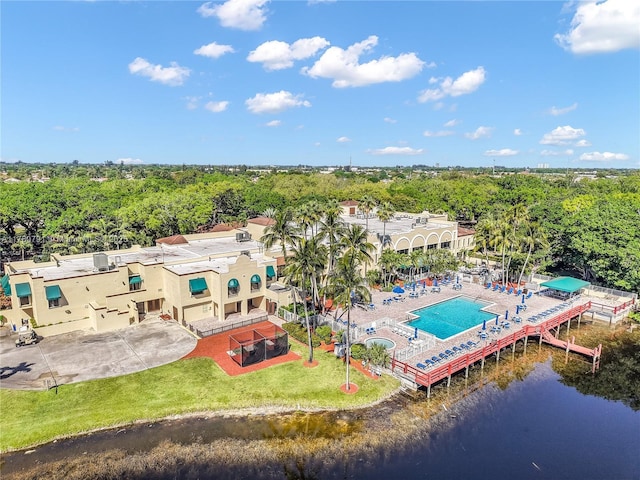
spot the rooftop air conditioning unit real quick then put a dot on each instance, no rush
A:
(243, 237)
(101, 262)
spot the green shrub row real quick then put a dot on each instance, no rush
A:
(299, 332)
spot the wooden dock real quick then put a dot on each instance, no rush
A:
(542, 330)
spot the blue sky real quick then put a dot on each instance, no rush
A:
(261, 82)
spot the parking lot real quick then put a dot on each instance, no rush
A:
(79, 356)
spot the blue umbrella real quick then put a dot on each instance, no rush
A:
(415, 335)
(506, 315)
(398, 289)
(517, 309)
(484, 324)
(522, 298)
(435, 282)
(457, 278)
(497, 316)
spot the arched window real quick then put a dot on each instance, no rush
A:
(256, 282)
(233, 287)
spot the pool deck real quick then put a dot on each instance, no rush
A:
(400, 312)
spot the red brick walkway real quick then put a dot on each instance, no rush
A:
(216, 347)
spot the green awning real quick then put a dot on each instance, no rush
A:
(256, 279)
(6, 286)
(197, 285)
(135, 279)
(271, 272)
(565, 284)
(23, 290)
(53, 292)
(233, 283)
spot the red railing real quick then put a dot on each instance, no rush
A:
(456, 364)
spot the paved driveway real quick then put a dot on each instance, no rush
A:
(79, 356)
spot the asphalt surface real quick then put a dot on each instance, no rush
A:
(79, 356)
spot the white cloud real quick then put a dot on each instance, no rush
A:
(466, 83)
(557, 153)
(173, 76)
(275, 102)
(273, 123)
(396, 151)
(277, 55)
(342, 66)
(128, 161)
(439, 133)
(192, 102)
(390, 120)
(603, 157)
(601, 27)
(213, 50)
(343, 140)
(555, 111)
(217, 107)
(240, 14)
(60, 128)
(480, 132)
(452, 123)
(504, 152)
(562, 135)
(583, 143)
(517, 132)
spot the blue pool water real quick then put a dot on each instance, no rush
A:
(451, 317)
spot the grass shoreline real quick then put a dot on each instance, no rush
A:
(195, 387)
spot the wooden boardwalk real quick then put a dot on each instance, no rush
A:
(429, 376)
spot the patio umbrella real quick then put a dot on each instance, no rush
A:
(484, 324)
(415, 334)
(398, 289)
(522, 298)
(497, 316)
(506, 315)
(435, 282)
(517, 309)
(457, 278)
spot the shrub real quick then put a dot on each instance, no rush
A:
(324, 332)
(358, 351)
(299, 332)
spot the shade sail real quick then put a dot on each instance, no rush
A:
(53, 292)
(256, 279)
(23, 290)
(271, 272)
(565, 284)
(233, 283)
(197, 285)
(135, 280)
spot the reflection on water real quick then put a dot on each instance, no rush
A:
(526, 422)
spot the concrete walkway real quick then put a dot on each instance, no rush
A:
(79, 356)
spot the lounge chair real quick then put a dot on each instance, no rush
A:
(482, 335)
(517, 319)
(471, 344)
(519, 292)
(449, 353)
(457, 349)
(488, 285)
(503, 289)
(529, 294)
(429, 362)
(464, 346)
(510, 291)
(443, 356)
(421, 366)
(435, 359)
(497, 287)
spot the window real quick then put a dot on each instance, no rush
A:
(233, 287)
(256, 282)
(54, 302)
(25, 301)
(445, 245)
(432, 246)
(135, 283)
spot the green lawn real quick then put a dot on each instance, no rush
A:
(192, 385)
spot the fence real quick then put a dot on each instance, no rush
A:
(224, 328)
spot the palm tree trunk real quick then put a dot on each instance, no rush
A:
(348, 352)
(524, 265)
(306, 317)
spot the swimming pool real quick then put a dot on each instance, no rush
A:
(451, 317)
(385, 342)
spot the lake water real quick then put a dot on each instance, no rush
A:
(537, 428)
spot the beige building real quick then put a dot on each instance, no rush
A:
(211, 276)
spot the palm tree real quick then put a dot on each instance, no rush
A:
(305, 218)
(282, 231)
(356, 254)
(366, 204)
(330, 230)
(385, 213)
(535, 236)
(307, 260)
(347, 285)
